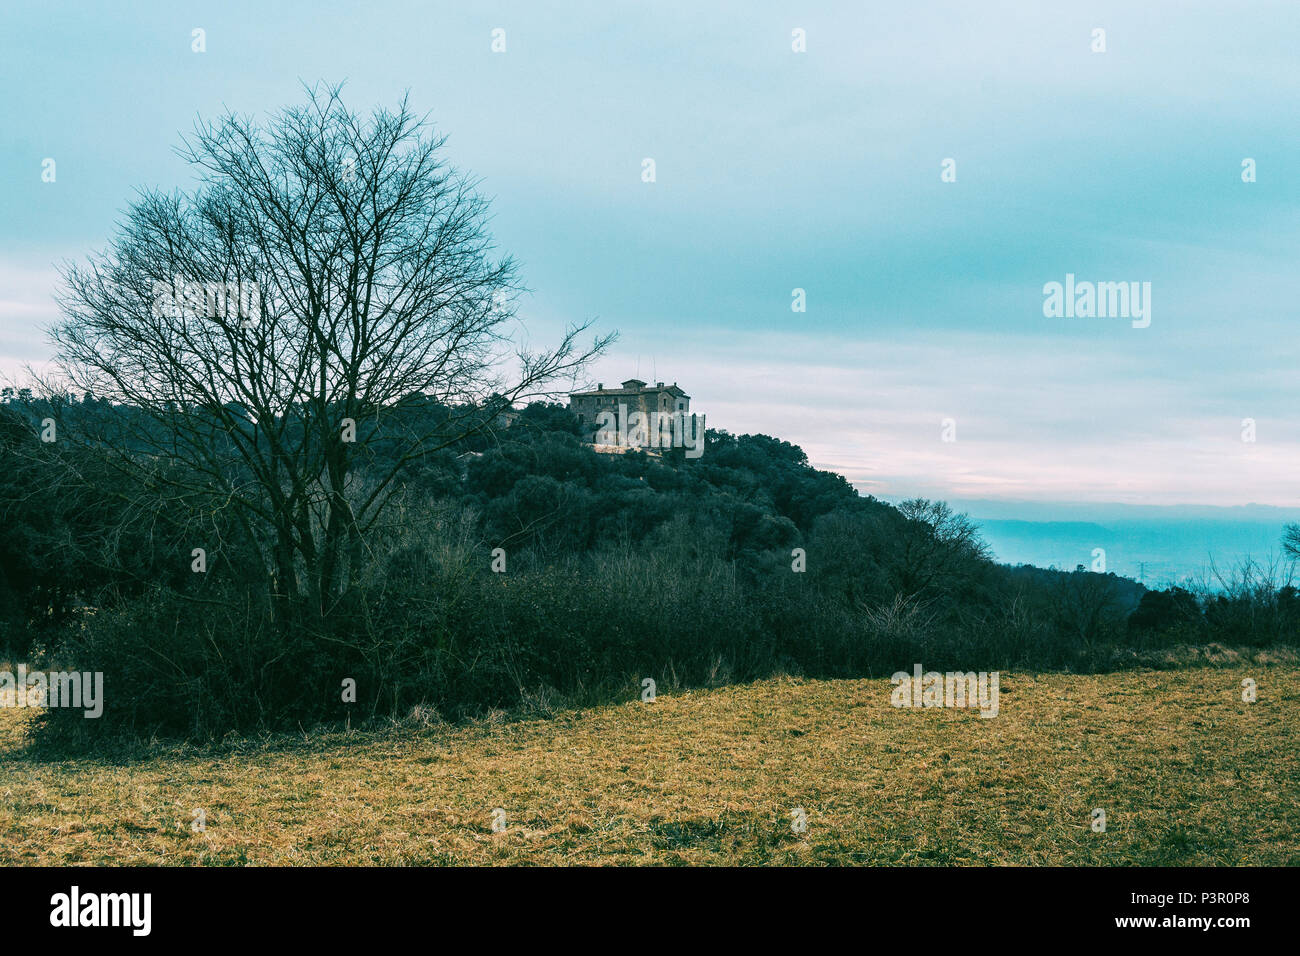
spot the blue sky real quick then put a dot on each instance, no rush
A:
(779, 170)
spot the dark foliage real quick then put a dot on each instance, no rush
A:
(617, 568)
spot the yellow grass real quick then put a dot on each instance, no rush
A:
(1186, 772)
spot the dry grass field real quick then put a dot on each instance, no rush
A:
(1186, 772)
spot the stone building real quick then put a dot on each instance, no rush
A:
(635, 394)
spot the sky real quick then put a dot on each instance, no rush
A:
(778, 170)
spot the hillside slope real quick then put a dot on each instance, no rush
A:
(1186, 772)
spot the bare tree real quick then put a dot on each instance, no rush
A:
(1291, 540)
(938, 548)
(269, 328)
(1087, 605)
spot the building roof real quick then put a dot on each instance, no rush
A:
(634, 386)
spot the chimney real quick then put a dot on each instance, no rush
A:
(659, 384)
(600, 386)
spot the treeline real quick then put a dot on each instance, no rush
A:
(519, 568)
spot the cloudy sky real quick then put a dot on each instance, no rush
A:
(777, 170)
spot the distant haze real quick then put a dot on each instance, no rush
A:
(1169, 545)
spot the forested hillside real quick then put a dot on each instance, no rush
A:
(515, 566)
